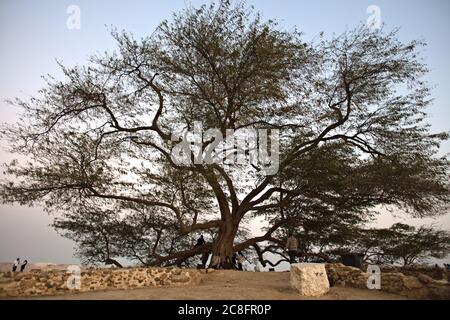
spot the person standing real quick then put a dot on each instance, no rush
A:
(205, 257)
(292, 247)
(24, 264)
(16, 264)
(256, 262)
(234, 261)
(240, 260)
(201, 241)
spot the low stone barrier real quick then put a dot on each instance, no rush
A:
(432, 272)
(55, 282)
(413, 287)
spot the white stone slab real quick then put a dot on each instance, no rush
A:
(309, 279)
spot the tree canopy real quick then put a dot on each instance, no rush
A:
(404, 244)
(349, 111)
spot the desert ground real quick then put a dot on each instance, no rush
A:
(6, 266)
(230, 285)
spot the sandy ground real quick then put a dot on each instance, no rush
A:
(6, 266)
(231, 285)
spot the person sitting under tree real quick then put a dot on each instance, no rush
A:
(201, 241)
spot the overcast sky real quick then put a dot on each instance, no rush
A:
(34, 33)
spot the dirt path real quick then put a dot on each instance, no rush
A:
(231, 285)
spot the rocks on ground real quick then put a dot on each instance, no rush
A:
(309, 279)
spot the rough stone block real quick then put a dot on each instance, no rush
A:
(412, 282)
(309, 279)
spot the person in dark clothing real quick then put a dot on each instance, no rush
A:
(24, 264)
(201, 241)
(205, 257)
(227, 264)
(234, 261)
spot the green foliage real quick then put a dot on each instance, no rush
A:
(350, 111)
(404, 244)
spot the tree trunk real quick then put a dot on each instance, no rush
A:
(223, 246)
(110, 261)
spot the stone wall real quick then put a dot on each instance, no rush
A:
(54, 282)
(432, 272)
(414, 287)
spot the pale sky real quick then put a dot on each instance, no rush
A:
(34, 33)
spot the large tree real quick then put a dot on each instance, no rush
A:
(357, 102)
(403, 244)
